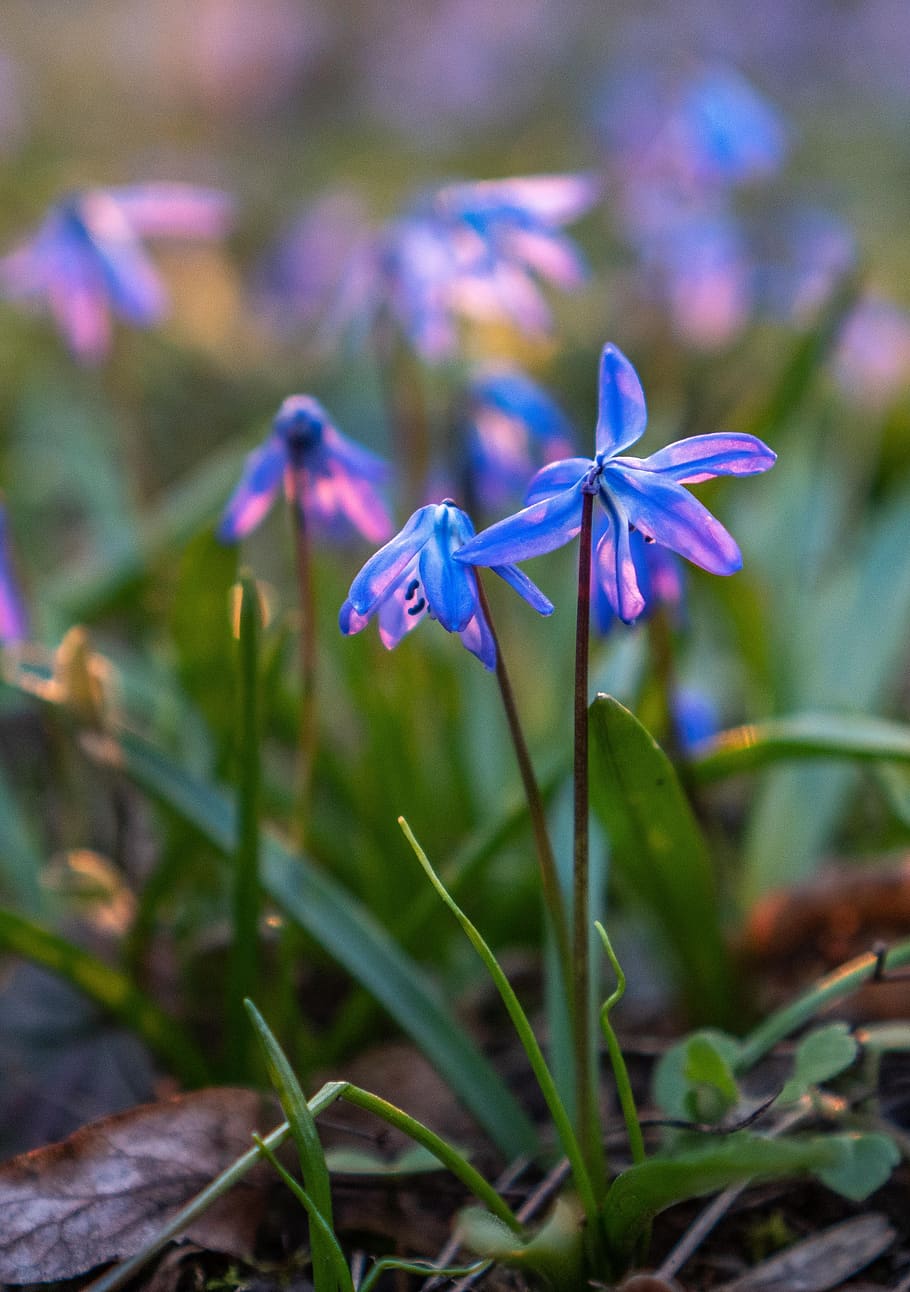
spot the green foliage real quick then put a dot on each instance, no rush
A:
(821, 1054)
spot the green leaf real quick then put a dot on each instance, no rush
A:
(415, 1160)
(348, 932)
(863, 1165)
(804, 735)
(641, 1192)
(659, 853)
(820, 1056)
(309, 1148)
(555, 1253)
(705, 1060)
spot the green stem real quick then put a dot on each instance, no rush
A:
(545, 1081)
(306, 602)
(834, 986)
(113, 991)
(548, 874)
(585, 1065)
(617, 1058)
(246, 897)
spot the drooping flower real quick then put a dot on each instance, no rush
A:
(514, 427)
(472, 250)
(86, 262)
(329, 477)
(415, 576)
(644, 494)
(13, 617)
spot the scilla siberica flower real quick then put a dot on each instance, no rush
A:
(658, 572)
(86, 261)
(646, 494)
(415, 576)
(331, 479)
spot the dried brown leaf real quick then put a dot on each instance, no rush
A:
(104, 1192)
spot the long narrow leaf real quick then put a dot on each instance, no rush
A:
(659, 852)
(347, 931)
(803, 735)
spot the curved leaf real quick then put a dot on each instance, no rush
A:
(802, 735)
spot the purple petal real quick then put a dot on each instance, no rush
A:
(386, 566)
(555, 199)
(701, 457)
(131, 280)
(78, 304)
(615, 566)
(665, 511)
(478, 639)
(400, 614)
(546, 525)
(332, 494)
(525, 588)
(552, 255)
(556, 478)
(354, 456)
(621, 414)
(256, 492)
(175, 210)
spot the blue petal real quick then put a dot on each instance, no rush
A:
(478, 639)
(450, 588)
(525, 588)
(622, 415)
(615, 564)
(385, 567)
(557, 477)
(541, 528)
(256, 491)
(665, 511)
(701, 457)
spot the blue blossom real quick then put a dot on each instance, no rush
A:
(86, 261)
(658, 572)
(332, 479)
(415, 576)
(472, 250)
(514, 427)
(13, 617)
(642, 494)
(695, 717)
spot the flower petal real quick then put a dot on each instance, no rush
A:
(615, 565)
(622, 414)
(525, 588)
(701, 457)
(399, 613)
(665, 511)
(256, 491)
(557, 477)
(450, 588)
(541, 528)
(174, 210)
(478, 639)
(386, 566)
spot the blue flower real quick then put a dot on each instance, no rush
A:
(330, 478)
(644, 494)
(471, 250)
(415, 576)
(13, 617)
(514, 427)
(86, 261)
(658, 572)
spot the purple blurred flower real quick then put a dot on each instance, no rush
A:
(644, 494)
(726, 132)
(514, 427)
(329, 477)
(13, 617)
(470, 250)
(415, 576)
(812, 250)
(872, 359)
(86, 260)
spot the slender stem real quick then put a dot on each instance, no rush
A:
(306, 601)
(617, 1058)
(549, 878)
(246, 899)
(585, 1094)
(561, 1120)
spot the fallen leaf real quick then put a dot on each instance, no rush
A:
(104, 1192)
